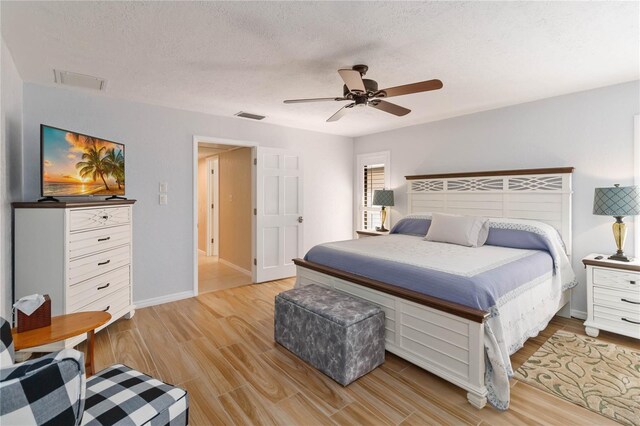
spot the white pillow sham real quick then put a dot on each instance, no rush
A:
(469, 231)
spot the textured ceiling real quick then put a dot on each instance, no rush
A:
(220, 58)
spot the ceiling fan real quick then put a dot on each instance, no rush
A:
(364, 92)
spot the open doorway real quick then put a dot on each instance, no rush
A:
(224, 197)
(273, 232)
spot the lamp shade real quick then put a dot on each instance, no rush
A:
(617, 201)
(383, 197)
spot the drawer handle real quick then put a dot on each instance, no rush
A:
(107, 308)
(628, 320)
(104, 239)
(105, 217)
(630, 301)
(632, 282)
(108, 284)
(104, 263)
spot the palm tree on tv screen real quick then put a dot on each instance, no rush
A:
(115, 165)
(94, 163)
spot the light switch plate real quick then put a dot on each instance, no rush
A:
(163, 187)
(163, 199)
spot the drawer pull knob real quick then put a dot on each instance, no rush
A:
(104, 263)
(105, 217)
(108, 284)
(107, 308)
(630, 301)
(104, 239)
(632, 282)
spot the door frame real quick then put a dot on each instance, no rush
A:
(213, 198)
(198, 139)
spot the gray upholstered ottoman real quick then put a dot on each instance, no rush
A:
(338, 334)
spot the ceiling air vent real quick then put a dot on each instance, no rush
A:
(249, 115)
(79, 80)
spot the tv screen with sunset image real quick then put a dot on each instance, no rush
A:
(74, 164)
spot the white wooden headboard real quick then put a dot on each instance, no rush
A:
(537, 194)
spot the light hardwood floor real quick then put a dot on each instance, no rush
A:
(219, 346)
(214, 275)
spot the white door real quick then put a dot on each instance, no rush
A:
(279, 218)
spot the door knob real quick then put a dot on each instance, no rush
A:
(300, 219)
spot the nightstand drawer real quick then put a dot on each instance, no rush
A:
(617, 299)
(616, 278)
(617, 321)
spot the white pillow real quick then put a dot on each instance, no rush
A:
(467, 231)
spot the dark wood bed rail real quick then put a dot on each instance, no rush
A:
(456, 309)
(547, 171)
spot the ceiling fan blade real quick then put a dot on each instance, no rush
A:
(338, 115)
(407, 89)
(299, 101)
(353, 80)
(389, 107)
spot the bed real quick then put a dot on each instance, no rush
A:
(456, 311)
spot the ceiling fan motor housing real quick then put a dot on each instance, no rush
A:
(370, 85)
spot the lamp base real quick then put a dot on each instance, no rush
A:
(619, 234)
(620, 257)
(381, 229)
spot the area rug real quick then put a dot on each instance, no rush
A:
(603, 377)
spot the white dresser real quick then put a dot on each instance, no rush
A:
(80, 253)
(613, 296)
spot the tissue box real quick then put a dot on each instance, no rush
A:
(41, 317)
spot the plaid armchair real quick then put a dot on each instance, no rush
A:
(53, 390)
(47, 389)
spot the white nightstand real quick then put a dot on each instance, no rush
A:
(613, 296)
(362, 233)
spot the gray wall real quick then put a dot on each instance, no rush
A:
(591, 130)
(10, 166)
(159, 149)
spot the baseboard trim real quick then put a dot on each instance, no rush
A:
(579, 314)
(163, 299)
(234, 266)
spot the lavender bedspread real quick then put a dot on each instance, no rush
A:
(480, 291)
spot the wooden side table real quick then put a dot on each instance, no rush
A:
(63, 327)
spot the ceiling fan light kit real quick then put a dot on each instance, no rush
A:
(364, 92)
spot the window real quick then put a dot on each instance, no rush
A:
(373, 179)
(372, 174)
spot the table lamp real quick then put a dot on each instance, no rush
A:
(384, 198)
(618, 201)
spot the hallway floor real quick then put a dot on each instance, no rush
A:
(214, 275)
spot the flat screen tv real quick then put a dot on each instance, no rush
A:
(74, 164)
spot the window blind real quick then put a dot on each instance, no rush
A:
(373, 180)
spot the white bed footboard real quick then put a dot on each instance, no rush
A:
(449, 346)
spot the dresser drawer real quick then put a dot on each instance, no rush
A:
(616, 278)
(617, 299)
(83, 268)
(89, 242)
(617, 320)
(111, 303)
(89, 291)
(83, 219)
